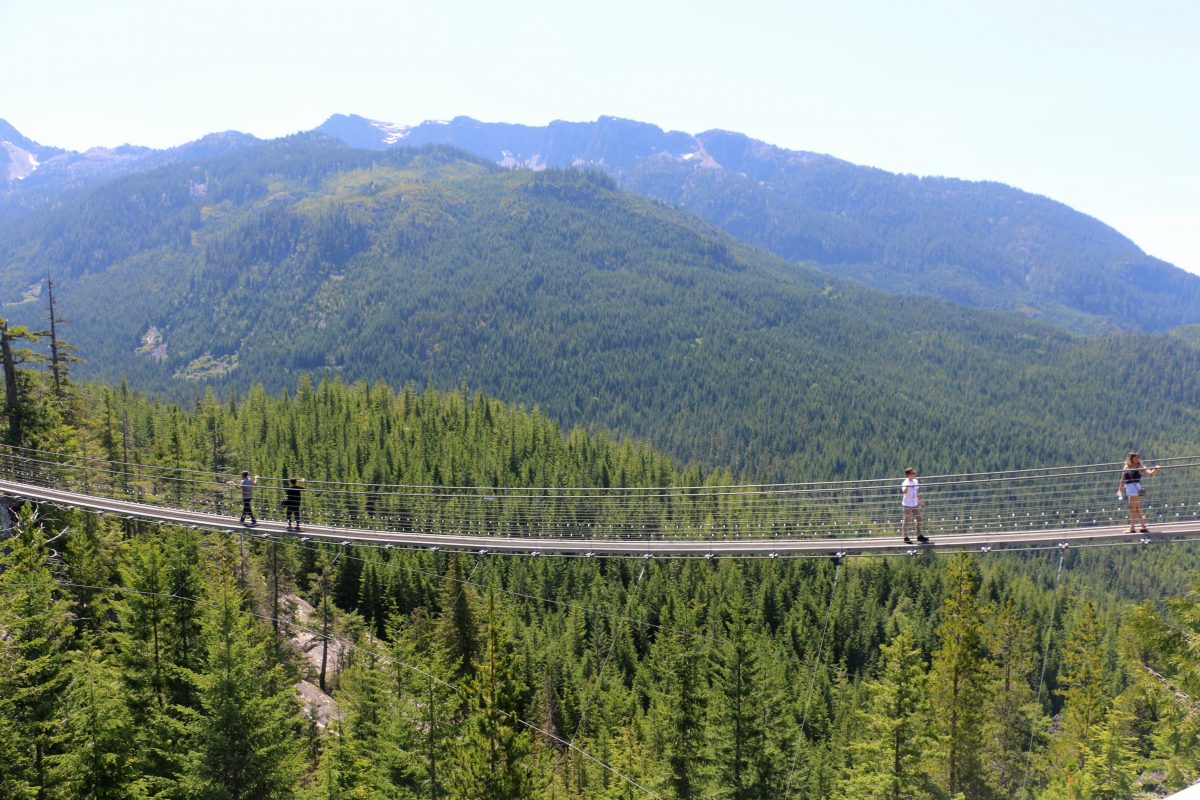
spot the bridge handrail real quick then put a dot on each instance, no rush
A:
(1041, 498)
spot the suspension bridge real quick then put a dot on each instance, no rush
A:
(1015, 509)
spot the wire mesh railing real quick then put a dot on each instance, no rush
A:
(1069, 497)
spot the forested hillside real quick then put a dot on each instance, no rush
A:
(141, 661)
(980, 244)
(559, 291)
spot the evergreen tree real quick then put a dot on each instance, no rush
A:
(246, 734)
(888, 757)
(97, 762)
(320, 582)
(33, 652)
(17, 403)
(457, 629)
(958, 681)
(740, 744)
(281, 564)
(155, 685)
(1110, 759)
(1013, 710)
(430, 717)
(380, 765)
(495, 758)
(1085, 699)
(678, 703)
(336, 777)
(16, 779)
(1163, 658)
(183, 626)
(61, 353)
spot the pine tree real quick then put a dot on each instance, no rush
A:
(456, 629)
(33, 652)
(381, 764)
(1161, 655)
(1110, 759)
(245, 735)
(431, 707)
(888, 753)
(281, 564)
(97, 762)
(336, 776)
(185, 588)
(154, 684)
(1013, 709)
(677, 705)
(958, 683)
(320, 581)
(1085, 699)
(494, 760)
(16, 778)
(742, 700)
(17, 404)
(61, 353)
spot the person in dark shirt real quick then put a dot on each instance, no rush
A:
(1131, 485)
(291, 501)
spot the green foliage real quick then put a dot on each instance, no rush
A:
(574, 677)
(958, 684)
(492, 763)
(893, 730)
(97, 762)
(35, 616)
(980, 244)
(558, 291)
(246, 735)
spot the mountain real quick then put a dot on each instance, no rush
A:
(556, 289)
(980, 244)
(19, 156)
(36, 176)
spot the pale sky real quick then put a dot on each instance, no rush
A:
(1094, 104)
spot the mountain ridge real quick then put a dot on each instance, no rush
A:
(557, 289)
(978, 243)
(55, 171)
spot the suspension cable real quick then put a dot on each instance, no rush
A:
(1030, 499)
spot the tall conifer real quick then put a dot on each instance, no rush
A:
(35, 617)
(495, 759)
(958, 683)
(246, 736)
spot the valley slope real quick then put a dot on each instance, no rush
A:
(557, 289)
(982, 244)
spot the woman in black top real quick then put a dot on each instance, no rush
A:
(1131, 484)
(291, 501)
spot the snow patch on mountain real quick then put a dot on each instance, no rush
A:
(392, 132)
(21, 162)
(511, 160)
(701, 157)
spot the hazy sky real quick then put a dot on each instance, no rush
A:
(1091, 103)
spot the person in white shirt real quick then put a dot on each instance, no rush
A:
(247, 483)
(911, 503)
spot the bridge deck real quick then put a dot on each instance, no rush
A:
(651, 546)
